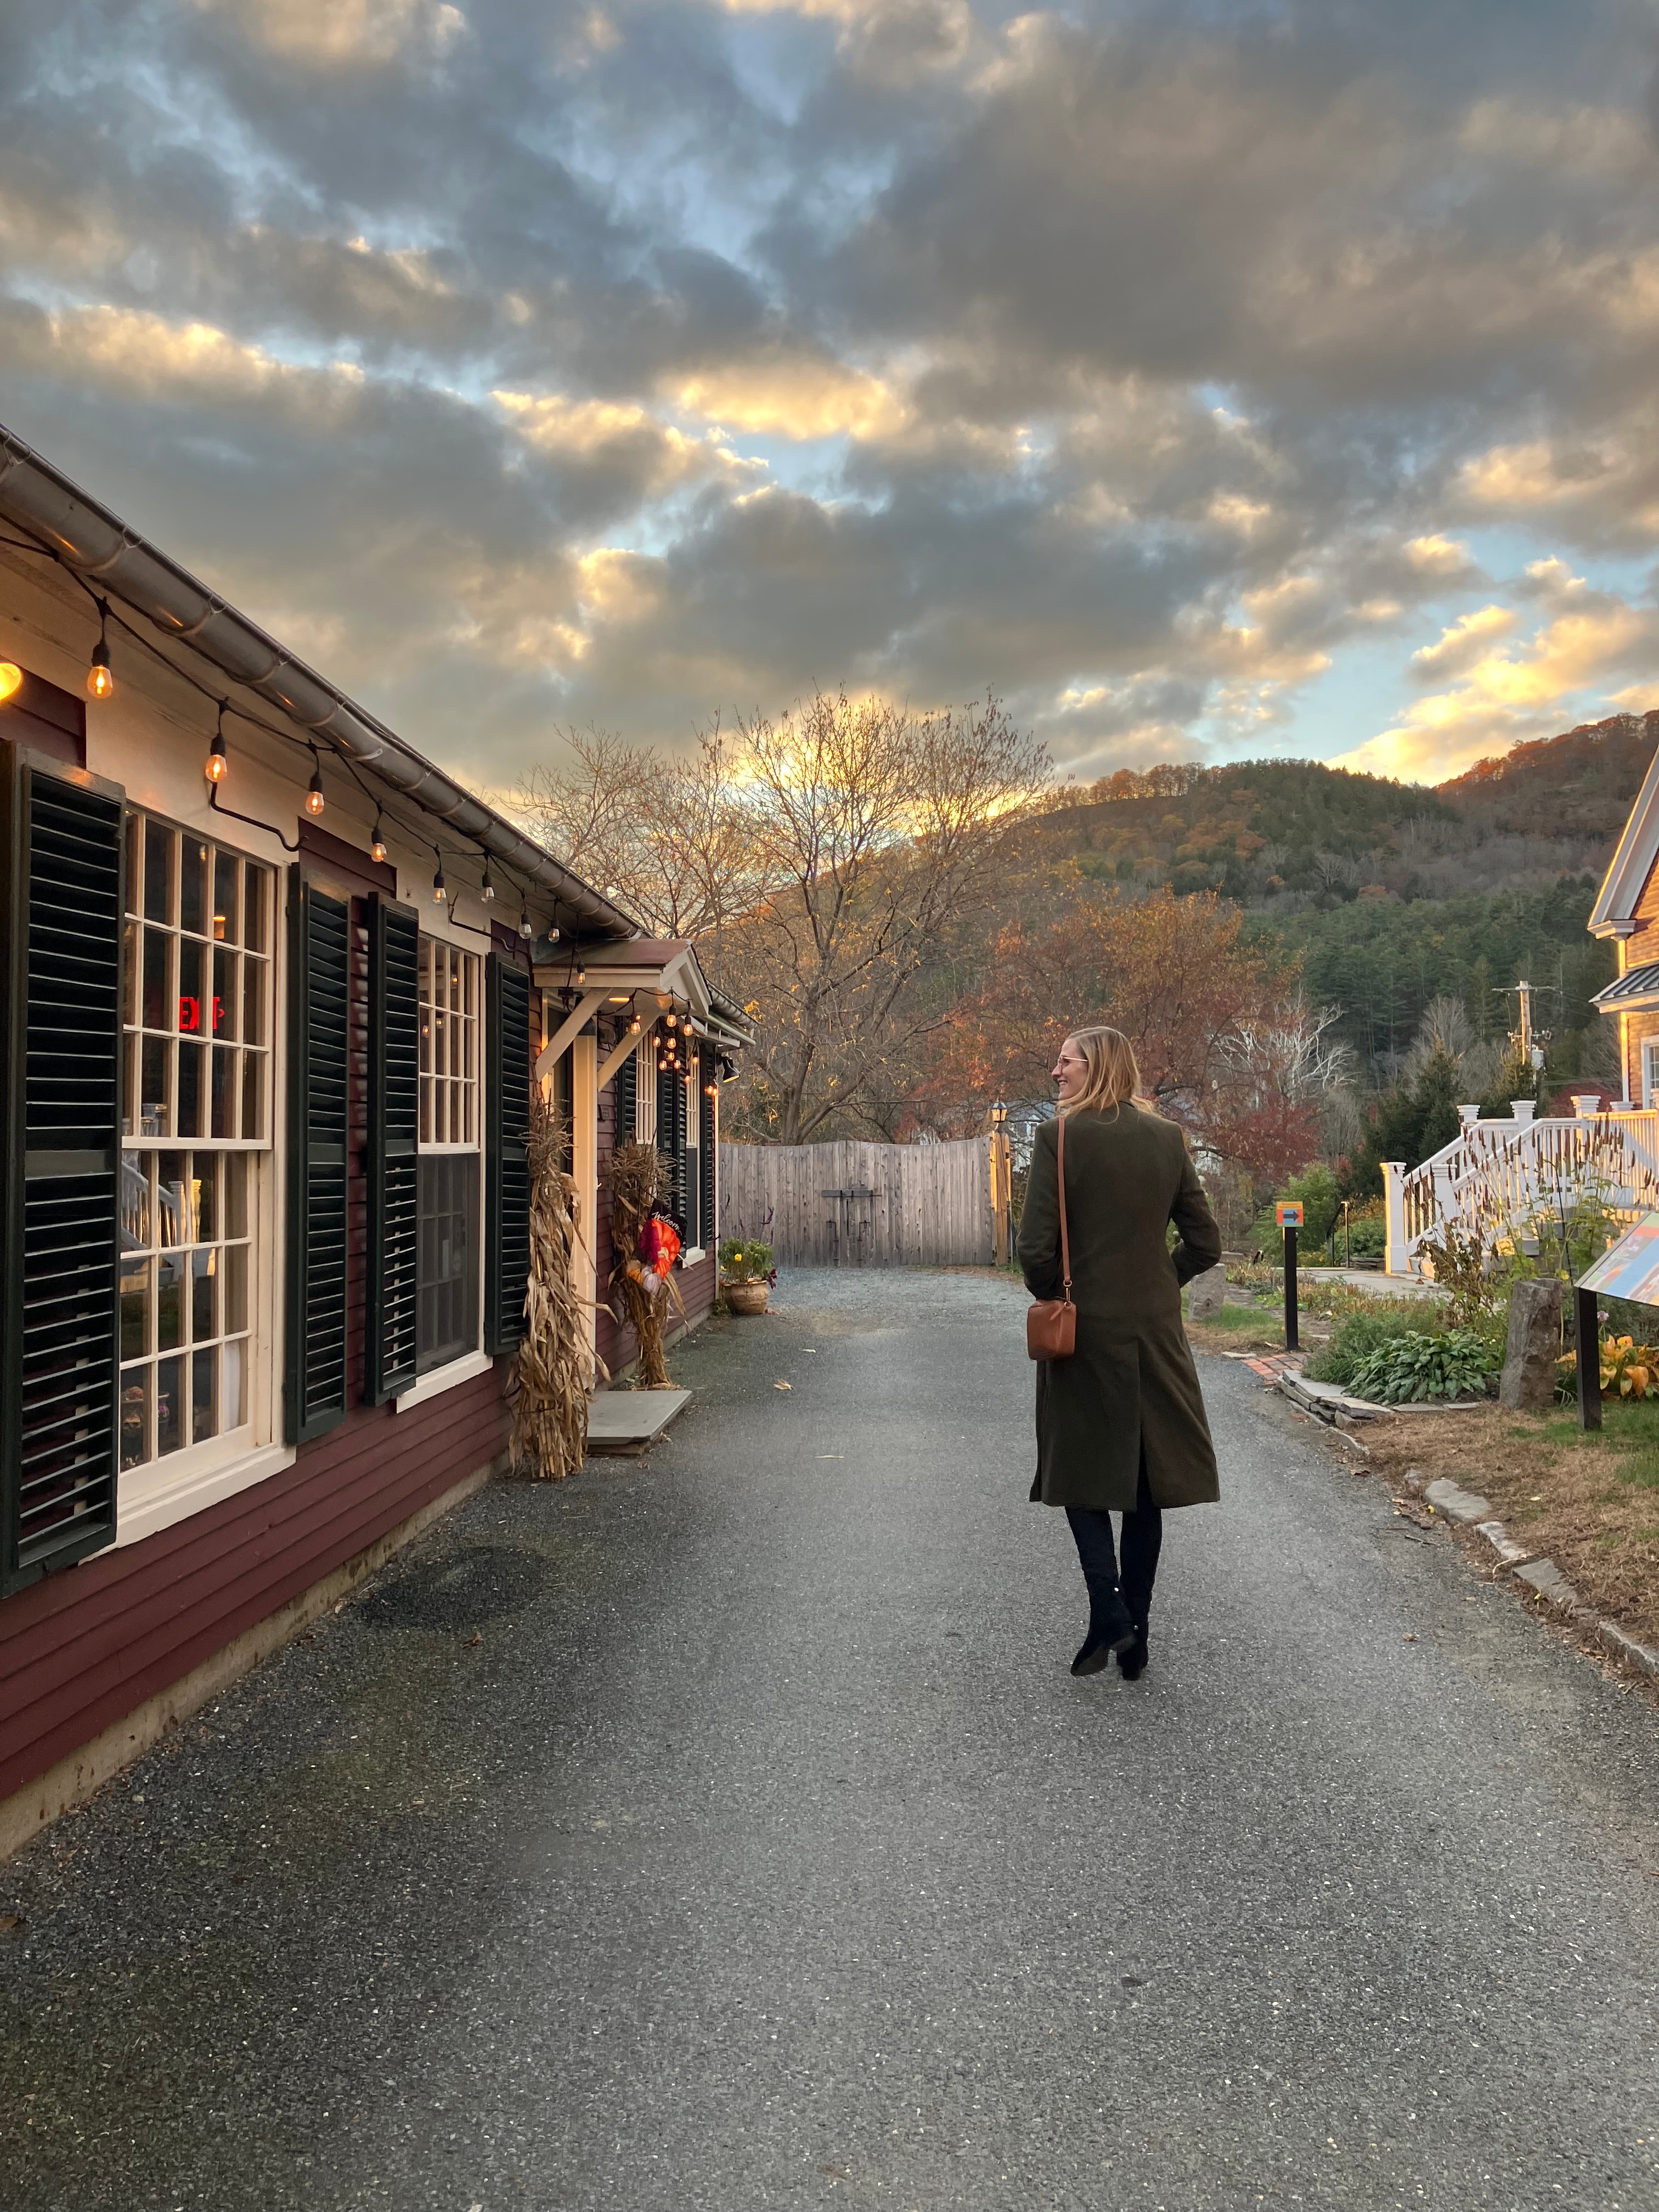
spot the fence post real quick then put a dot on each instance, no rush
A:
(1002, 1192)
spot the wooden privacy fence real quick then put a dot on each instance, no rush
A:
(863, 1205)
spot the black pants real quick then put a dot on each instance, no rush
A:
(1143, 1536)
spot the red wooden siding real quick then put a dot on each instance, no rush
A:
(79, 1650)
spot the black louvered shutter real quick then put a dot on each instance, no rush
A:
(507, 1163)
(628, 1091)
(671, 1135)
(709, 1226)
(314, 1394)
(394, 1111)
(60, 905)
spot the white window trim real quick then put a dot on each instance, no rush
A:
(1651, 1071)
(165, 1490)
(159, 1493)
(432, 1385)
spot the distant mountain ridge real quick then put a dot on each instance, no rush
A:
(1283, 835)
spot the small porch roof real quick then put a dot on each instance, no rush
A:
(1640, 988)
(647, 966)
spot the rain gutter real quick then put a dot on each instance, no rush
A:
(114, 558)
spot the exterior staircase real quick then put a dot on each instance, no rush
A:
(1495, 1176)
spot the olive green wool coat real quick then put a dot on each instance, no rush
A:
(1130, 1381)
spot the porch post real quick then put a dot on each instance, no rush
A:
(1393, 1197)
(584, 1157)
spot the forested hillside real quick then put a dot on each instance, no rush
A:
(1391, 895)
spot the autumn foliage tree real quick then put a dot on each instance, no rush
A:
(832, 861)
(1221, 1036)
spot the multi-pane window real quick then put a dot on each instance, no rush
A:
(447, 1310)
(197, 988)
(449, 1046)
(195, 1120)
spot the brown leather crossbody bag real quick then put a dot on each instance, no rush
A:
(1051, 1323)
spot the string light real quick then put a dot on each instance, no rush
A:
(440, 890)
(633, 1026)
(100, 682)
(581, 974)
(526, 927)
(486, 889)
(672, 1019)
(11, 678)
(216, 763)
(377, 843)
(315, 801)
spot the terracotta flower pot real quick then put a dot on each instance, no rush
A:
(746, 1297)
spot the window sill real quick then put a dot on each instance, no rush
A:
(692, 1253)
(466, 1369)
(153, 1497)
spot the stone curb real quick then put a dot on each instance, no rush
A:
(1548, 1585)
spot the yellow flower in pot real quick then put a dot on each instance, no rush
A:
(746, 1273)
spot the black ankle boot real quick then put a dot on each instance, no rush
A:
(1131, 1663)
(1111, 1632)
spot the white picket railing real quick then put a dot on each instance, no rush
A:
(1495, 1176)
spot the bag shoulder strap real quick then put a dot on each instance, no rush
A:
(1065, 1236)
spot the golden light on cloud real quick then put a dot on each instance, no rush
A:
(1501, 694)
(344, 31)
(796, 399)
(1535, 474)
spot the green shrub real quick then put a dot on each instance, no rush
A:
(1366, 1239)
(1452, 1363)
(745, 1259)
(1365, 1328)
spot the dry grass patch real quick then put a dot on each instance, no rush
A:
(1589, 1502)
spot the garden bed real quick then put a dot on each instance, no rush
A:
(1588, 1501)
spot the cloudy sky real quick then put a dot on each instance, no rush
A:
(1210, 380)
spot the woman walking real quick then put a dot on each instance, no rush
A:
(1120, 1424)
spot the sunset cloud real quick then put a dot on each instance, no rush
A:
(1158, 368)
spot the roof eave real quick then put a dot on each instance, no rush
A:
(99, 547)
(1613, 913)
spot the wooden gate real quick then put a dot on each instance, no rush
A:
(851, 1205)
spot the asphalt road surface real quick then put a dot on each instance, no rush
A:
(724, 1830)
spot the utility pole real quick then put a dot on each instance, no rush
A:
(1529, 1043)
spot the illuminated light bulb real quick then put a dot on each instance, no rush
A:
(440, 890)
(581, 974)
(216, 764)
(11, 678)
(100, 682)
(315, 801)
(633, 1026)
(672, 1019)
(553, 934)
(486, 889)
(526, 927)
(377, 843)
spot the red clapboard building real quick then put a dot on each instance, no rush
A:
(274, 991)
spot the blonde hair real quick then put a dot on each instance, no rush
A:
(1112, 1076)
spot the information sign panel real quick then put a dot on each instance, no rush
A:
(1630, 1269)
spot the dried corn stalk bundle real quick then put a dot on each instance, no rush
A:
(553, 1377)
(635, 1181)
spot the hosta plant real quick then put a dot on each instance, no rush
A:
(1412, 1369)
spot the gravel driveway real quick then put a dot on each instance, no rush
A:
(723, 1830)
